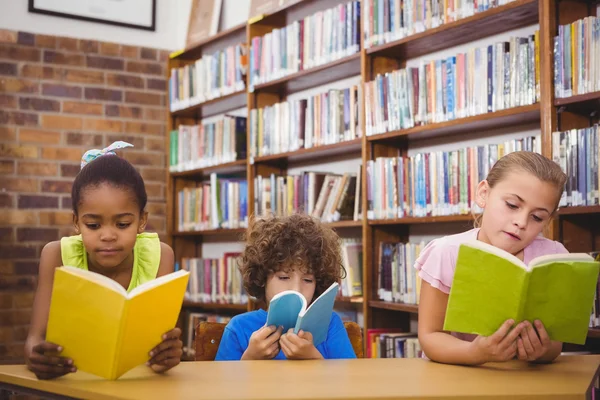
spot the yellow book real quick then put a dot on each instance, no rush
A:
(104, 329)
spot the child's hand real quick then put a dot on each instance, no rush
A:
(45, 363)
(168, 353)
(300, 346)
(264, 344)
(500, 346)
(532, 345)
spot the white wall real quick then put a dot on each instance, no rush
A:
(171, 23)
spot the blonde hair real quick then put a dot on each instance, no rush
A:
(530, 162)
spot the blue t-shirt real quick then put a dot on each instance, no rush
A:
(237, 334)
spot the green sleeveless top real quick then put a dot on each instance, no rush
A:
(146, 256)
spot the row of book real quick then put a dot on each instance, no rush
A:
(207, 144)
(325, 118)
(451, 88)
(398, 280)
(436, 183)
(352, 260)
(220, 203)
(577, 57)
(212, 76)
(576, 151)
(390, 343)
(215, 280)
(386, 21)
(328, 197)
(192, 320)
(316, 40)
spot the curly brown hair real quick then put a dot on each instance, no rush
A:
(300, 241)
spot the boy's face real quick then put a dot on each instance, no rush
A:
(290, 279)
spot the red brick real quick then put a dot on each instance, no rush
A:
(45, 41)
(57, 187)
(130, 51)
(148, 54)
(18, 217)
(22, 316)
(139, 158)
(20, 53)
(163, 55)
(23, 300)
(6, 200)
(62, 153)
(26, 38)
(8, 133)
(153, 174)
(6, 301)
(37, 71)
(105, 63)
(8, 36)
(121, 80)
(156, 209)
(83, 76)
(37, 201)
(6, 335)
(156, 224)
(113, 110)
(18, 85)
(37, 168)
(61, 122)
(110, 49)
(136, 141)
(141, 67)
(62, 58)
(20, 335)
(7, 234)
(7, 167)
(18, 118)
(17, 283)
(77, 107)
(38, 104)
(89, 46)
(18, 151)
(146, 98)
(28, 185)
(7, 68)
(69, 170)
(70, 44)
(155, 144)
(65, 202)
(36, 235)
(56, 218)
(155, 114)
(156, 84)
(39, 136)
(7, 267)
(84, 139)
(8, 101)
(155, 191)
(13, 251)
(141, 127)
(103, 94)
(49, 89)
(102, 125)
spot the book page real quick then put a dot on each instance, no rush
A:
(549, 258)
(316, 319)
(285, 308)
(156, 282)
(96, 278)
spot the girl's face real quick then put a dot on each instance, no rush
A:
(515, 210)
(292, 279)
(109, 220)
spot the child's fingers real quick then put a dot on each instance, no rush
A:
(37, 358)
(529, 347)
(265, 332)
(502, 332)
(542, 333)
(174, 333)
(44, 347)
(286, 349)
(508, 339)
(273, 350)
(171, 343)
(166, 354)
(51, 370)
(275, 336)
(306, 335)
(530, 332)
(522, 354)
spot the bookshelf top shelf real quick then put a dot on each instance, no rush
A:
(421, 220)
(211, 232)
(234, 167)
(385, 305)
(195, 52)
(582, 103)
(312, 153)
(581, 210)
(512, 116)
(214, 306)
(493, 21)
(214, 106)
(334, 71)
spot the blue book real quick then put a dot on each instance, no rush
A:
(288, 309)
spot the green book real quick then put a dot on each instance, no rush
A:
(491, 286)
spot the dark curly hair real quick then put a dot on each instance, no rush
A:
(298, 241)
(113, 170)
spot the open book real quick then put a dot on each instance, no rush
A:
(104, 329)
(491, 286)
(288, 309)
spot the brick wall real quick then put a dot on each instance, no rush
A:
(59, 97)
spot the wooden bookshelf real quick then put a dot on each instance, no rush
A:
(421, 220)
(195, 52)
(215, 306)
(214, 106)
(579, 210)
(313, 153)
(210, 232)
(586, 104)
(386, 305)
(230, 168)
(344, 224)
(594, 333)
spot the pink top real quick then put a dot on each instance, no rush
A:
(437, 261)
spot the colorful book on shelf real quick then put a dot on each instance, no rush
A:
(104, 329)
(491, 286)
(289, 309)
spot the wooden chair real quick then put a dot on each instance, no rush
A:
(208, 337)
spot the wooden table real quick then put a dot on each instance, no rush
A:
(570, 377)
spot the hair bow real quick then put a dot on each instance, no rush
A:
(91, 155)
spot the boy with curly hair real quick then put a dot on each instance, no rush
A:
(294, 252)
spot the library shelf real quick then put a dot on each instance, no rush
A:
(210, 232)
(386, 305)
(349, 300)
(594, 332)
(578, 210)
(214, 106)
(234, 167)
(344, 224)
(421, 220)
(496, 20)
(586, 104)
(214, 306)
(313, 153)
(502, 118)
(336, 70)
(195, 52)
